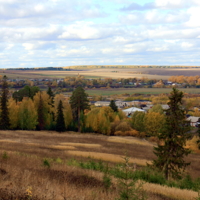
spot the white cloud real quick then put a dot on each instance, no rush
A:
(194, 13)
(169, 3)
(186, 45)
(80, 30)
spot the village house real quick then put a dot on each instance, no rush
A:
(131, 110)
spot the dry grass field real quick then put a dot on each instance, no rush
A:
(151, 73)
(22, 171)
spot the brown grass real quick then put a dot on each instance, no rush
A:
(63, 182)
(108, 157)
(173, 193)
(81, 145)
(129, 140)
(61, 147)
(27, 149)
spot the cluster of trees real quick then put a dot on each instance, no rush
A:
(186, 80)
(31, 109)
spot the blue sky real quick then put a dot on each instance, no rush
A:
(44, 33)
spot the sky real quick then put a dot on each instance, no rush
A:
(57, 33)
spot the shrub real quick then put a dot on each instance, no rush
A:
(129, 189)
(46, 163)
(123, 126)
(5, 155)
(133, 133)
(119, 133)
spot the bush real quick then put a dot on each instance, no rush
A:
(123, 126)
(46, 163)
(133, 133)
(5, 155)
(129, 189)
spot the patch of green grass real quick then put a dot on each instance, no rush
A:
(152, 91)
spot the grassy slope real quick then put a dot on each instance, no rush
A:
(25, 169)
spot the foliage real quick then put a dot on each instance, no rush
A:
(28, 118)
(171, 152)
(27, 91)
(107, 179)
(129, 189)
(99, 120)
(4, 117)
(46, 163)
(147, 174)
(67, 111)
(42, 105)
(157, 109)
(13, 116)
(60, 123)
(198, 132)
(113, 106)
(138, 121)
(5, 155)
(79, 102)
(154, 123)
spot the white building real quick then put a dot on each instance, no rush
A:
(131, 110)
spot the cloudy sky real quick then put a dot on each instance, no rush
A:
(41, 33)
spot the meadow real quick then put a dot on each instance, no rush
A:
(47, 165)
(151, 91)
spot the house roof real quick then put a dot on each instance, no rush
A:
(193, 119)
(132, 109)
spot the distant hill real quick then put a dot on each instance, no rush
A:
(85, 67)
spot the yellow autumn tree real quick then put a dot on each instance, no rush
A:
(104, 123)
(109, 113)
(27, 114)
(154, 122)
(13, 109)
(92, 119)
(196, 112)
(98, 120)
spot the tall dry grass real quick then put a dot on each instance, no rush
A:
(108, 157)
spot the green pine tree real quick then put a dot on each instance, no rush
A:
(51, 95)
(60, 122)
(40, 112)
(4, 118)
(170, 151)
(113, 106)
(198, 132)
(79, 102)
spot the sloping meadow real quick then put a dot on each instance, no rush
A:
(48, 165)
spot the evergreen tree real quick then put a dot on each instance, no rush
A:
(60, 122)
(79, 102)
(113, 106)
(198, 132)
(170, 151)
(4, 118)
(51, 95)
(40, 112)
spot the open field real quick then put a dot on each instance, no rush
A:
(22, 168)
(118, 91)
(151, 73)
